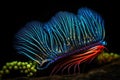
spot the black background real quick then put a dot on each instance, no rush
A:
(14, 15)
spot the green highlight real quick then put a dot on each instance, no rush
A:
(105, 57)
(27, 68)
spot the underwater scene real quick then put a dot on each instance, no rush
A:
(64, 40)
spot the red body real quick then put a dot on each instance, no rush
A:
(76, 59)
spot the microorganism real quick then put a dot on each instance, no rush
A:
(75, 38)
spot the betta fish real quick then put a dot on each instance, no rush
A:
(72, 39)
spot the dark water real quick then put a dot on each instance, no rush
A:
(15, 16)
